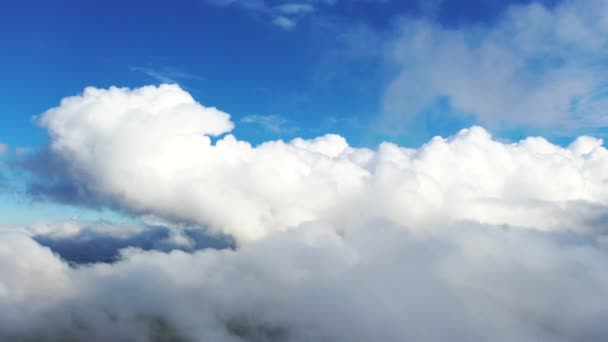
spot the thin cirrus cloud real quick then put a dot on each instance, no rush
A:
(272, 123)
(167, 75)
(282, 15)
(540, 67)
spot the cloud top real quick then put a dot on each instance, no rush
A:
(149, 150)
(464, 238)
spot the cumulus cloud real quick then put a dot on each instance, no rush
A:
(149, 151)
(536, 67)
(295, 8)
(465, 238)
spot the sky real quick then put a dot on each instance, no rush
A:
(327, 70)
(286, 70)
(306, 170)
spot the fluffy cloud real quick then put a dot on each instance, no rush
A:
(371, 281)
(537, 66)
(464, 238)
(149, 151)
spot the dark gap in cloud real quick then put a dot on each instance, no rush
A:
(90, 246)
(51, 181)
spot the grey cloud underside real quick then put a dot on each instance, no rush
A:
(374, 281)
(51, 181)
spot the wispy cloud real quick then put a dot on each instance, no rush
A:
(22, 151)
(273, 123)
(167, 75)
(284, 22)
(535, 67)
(295, 8)
(457, 227)
(285, 15)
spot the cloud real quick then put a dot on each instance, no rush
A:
(257, 5)
(3, 148)
(535, 67)
(167, 75)
(283, 15)
(463, 238)
(295, 8)
(271, 123)
(148, 151)
(371, 281)
(284, 22)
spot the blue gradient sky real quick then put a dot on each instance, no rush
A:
(226, 56)
(324, 68)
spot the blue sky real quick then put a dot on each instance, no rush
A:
(287, 69)
(229, 56)
(254, 170)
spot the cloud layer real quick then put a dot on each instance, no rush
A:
(465, 238)
(377, 280)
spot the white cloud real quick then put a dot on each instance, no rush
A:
(464, 238)
(167, 75)
(272, 123)
(374, 281)
(284, 15)
(295, 8)
(536, 67)
(146, 150)
(284, 22)
(255, 5)
(3, 148)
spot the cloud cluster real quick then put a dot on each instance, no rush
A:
(150, 151)
(464, 238)
(536, 67)
(372, 281)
